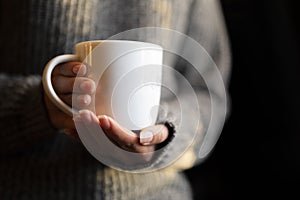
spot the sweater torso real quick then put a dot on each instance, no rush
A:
(37, 30)
(58, 168)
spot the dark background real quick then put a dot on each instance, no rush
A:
(258, 153)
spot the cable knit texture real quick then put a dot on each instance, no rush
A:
(39, 162)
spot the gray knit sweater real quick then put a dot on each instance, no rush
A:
(39, 162)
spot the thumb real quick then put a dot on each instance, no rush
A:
(153, 135)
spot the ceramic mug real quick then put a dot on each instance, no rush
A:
(128, 78)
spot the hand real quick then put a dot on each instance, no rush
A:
(145, 142)
(63, 78)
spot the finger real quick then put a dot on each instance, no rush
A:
(59, 118)
(124, 138)
(90, 122)
(144, 149)
(87, 121)
(70, 69)
(153, 135)
(68, 85)
(111, 128)
(119, 134)
(81, 101)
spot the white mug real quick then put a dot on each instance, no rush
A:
(128, 78)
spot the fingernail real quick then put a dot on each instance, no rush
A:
(87, 86)
(85, 115)
(77, 118)
(79, 69)
(146, 137)
(84, 99)
(104, 122)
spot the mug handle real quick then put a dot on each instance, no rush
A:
(47, 84)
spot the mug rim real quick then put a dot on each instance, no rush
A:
(97, 42)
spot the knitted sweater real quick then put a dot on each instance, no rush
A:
(39, 162)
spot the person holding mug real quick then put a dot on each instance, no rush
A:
(38, 158)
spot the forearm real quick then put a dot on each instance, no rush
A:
(23, 117)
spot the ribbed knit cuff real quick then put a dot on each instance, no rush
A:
(184, 122)
(36, 119)
(24, 120)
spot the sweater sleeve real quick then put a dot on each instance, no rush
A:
(23, 117)
(208, 29)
